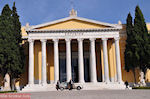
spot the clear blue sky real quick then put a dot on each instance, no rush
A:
(110, 11)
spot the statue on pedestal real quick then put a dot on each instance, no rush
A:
(6, 83)
(142, 80)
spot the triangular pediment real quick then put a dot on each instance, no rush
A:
(73, 23)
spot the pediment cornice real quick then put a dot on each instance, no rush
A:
(116, 26)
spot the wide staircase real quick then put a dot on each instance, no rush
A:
(39, 87)
(85, 86)
(102, 86)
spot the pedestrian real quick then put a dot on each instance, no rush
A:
(58, 84)
(127, 84)
(70, 84)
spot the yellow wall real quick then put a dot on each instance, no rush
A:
(148, 26)
(126, 76)
(23, 31)
(1, 80)
(50, 62)
(37, 60)
(111, 59)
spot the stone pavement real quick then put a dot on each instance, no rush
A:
(93, 94)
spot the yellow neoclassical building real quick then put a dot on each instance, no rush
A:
(89, 52)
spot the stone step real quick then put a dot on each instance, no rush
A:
(36, 88)
(86, 86)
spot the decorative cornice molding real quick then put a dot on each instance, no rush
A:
(77, 18)
(73, 30)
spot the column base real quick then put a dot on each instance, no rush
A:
(30, 85)
(121, 82)
(44, 84)
(107, 82)
(81, 81)
(93, 81)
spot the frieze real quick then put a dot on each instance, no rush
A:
(74, 34)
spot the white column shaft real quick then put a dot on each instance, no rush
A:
(68, 60)
(80, 61)
(56, 60)
(44, 71)
(93, 61)
(31, 62)
(118, 63)
(105, 57)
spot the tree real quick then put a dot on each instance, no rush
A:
(11, 50)
(19, 59)
(5, 39)
(131, 54)
(16, 24)
(142, 40)
(137, 51)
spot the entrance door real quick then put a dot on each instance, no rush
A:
(62, 69)
(86, 70)
(74, 69)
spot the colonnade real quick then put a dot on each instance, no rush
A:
(93, 73)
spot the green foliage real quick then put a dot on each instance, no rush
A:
(19, 59)
(8, 91)
(11, 51)
(141, 88)
(137, 53)
(142, 39)
(6, 29)
(131, 54)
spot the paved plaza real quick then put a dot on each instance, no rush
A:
(93, 94)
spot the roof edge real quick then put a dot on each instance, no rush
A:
(74, 17)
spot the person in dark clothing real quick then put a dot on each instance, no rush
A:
(127, 84)
(57, 85)
(70, 84)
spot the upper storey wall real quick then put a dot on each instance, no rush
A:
(23, 31)
(148, 26)
(74, 24)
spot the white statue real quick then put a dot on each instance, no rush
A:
(7, 83)
(142, 80)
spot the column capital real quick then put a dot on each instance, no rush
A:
(80, 39)
(92, 39)
(68, 39)
(30, 40)
(55, 40)
(104, 39)
(116, 38)
(43, 40)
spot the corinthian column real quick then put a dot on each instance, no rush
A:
(31, 62)
(93, 61)
(68, 59)
(44, 72)
(56, 60)
(80, 61)
(105, 57)
(118, 63)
